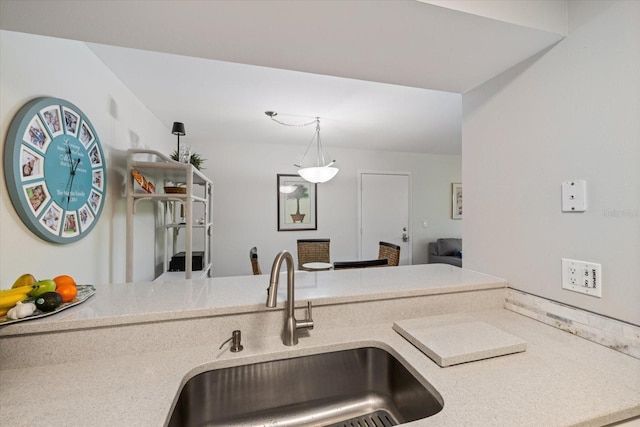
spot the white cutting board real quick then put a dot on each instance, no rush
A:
(454, 338)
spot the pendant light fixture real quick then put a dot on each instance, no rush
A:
(316, 170)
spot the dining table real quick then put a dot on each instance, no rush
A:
(317, 266)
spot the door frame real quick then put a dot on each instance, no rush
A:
(361, 172)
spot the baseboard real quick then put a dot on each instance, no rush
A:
(615, 334)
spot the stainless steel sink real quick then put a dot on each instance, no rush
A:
(358, 387)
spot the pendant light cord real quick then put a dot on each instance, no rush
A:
(272, 114)
(320, 152)
(320, 155)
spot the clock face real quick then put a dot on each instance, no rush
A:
(55, 170)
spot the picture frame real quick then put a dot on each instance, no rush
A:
(70, 227)
(71, 121)
(52, 219)
(51, 116)
(36, 136)
(86, 135)
(456, 200)
(31, 164)
(37, 195)
(94, 200)
(297, 203)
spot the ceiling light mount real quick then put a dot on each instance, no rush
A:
(319, 171)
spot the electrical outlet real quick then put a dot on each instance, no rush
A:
(582, 276)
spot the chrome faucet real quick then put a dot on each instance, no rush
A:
(291, 325)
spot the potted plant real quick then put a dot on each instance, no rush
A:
(196, 160)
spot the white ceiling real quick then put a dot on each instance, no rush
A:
(420, 56)
(224, 101)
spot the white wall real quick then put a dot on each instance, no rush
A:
(34, 66)
(569, 113)
(244, 178)
(245, 201)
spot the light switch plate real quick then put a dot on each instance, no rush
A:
(574, 196)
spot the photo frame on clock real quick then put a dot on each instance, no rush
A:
(86, 136)
(36, 135)
(71, 227)
(95, 200)
(31, 164)
(97, 178)
(38, 196)
(85, 216)
(51, 219)
(71, 121)
(51, 116)
(95, 157)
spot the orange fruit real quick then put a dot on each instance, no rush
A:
(64, 280)
(67, 291)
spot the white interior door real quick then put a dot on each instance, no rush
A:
(385, 213)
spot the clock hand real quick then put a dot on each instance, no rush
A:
(73, 175)
(69, 180)
(74, 167)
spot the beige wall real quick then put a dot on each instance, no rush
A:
(571, 112)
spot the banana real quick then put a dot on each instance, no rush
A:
(11, 300)
(16, 291)
(4, 311)
(24, 280)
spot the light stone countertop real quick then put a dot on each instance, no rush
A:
(560, 380)
(127, 303)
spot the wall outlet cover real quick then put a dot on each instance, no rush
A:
(582, 276)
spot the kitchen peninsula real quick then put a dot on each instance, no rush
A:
(121, 357)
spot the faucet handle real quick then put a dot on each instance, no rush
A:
(306, 323)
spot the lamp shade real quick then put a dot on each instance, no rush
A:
(318, 174)
(178, 129)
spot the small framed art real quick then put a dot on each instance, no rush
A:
(297, 203)
(456, 200)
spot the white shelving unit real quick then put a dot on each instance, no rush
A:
(161, 170)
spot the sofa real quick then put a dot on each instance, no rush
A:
(446, 251)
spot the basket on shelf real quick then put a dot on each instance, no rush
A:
(175, 190)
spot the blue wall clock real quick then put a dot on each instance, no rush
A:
(55, 170)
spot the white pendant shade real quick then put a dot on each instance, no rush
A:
(323, 170)
(318, 174)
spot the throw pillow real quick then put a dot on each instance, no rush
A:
(449, 246)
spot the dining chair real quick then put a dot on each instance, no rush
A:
(343, 265)
(255, 264)
(313, 250)
(390, 252)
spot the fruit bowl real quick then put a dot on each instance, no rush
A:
(84, 292)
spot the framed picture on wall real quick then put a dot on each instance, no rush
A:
(297, 203)
(456, 200)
